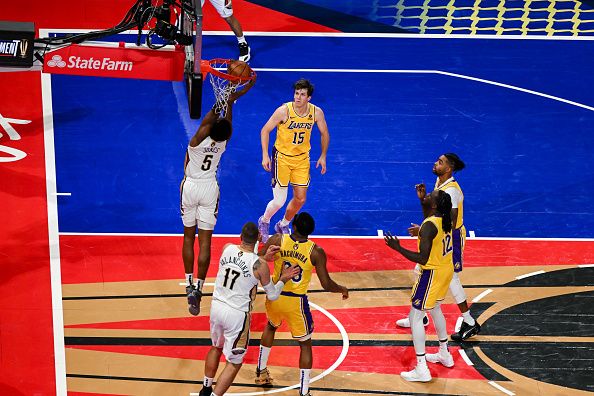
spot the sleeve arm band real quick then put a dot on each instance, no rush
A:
(274, 291)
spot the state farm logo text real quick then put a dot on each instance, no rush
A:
(77, 62)
(6, 126)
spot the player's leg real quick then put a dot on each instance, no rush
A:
(263, 377)
(443, 356)
(421, 372)
(225, 10)
(281, 174)
(469, 326)
(217, 335)
(226, 378)
(189, 211)
(405, 322)
(210, 369)
(300, 179)
(305, 364)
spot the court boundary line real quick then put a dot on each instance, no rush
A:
(359, 35)
(148, 234)
(53, 234)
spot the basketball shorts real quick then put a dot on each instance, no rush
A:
(293, 309)
(223, 7)
(458, 242)
(199, 203)
(430, 287)
(290, 169)
(229, 330)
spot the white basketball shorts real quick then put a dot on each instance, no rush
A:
(223, 7)
(199, 203)
(230, 330)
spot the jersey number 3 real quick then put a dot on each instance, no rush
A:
(296, 278)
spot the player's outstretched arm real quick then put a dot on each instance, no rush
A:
(318, 259)
(204, 129)
(234, 96)
(427, 233)
(262, 273)
(324, 137)
(280, 115)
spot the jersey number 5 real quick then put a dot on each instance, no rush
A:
(207, 162)
(296, 278)
(234, 274)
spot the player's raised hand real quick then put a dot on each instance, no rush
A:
(391, 241)
(272, 250)
(413, 230)
(290, 272)
(266, 162)
(321, 163)
(421, 190)
(345, 292)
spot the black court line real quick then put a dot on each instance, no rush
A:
(361, 289)
(192, 382)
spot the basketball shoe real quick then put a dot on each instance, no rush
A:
(466, 331)
(194, 297)
(406, 322)
(419, 374)
(263, 228)
(279, 229)
(263, 377)
(443, 357)
(205, 391)
(244, 52)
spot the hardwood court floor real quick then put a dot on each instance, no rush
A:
(127, 335)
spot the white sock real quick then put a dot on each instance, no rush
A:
(200, 284)
(421, 361)
(443, 346)
(189, 279)
(207, 382)
(284, 222)
(304, 380)
(263, 357)
(241, 40)
(468, 318)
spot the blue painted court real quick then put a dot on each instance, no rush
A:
(392, 109)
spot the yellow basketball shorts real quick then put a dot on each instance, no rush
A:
(293, 309)
(458, 241)
(290, 169)
(431, 286)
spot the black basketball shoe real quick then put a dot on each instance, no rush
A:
(466, 331)
(194, 297)
(244, 52)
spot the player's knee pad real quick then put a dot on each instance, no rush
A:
(416, 315)
(457, 290)
(279, 196)
(236, 356)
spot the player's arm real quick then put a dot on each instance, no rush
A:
(456, 197)
(204, 129)
(262, 273)
(280, 115)
(234, 96)
(426, 235)
(274, 240)
(324, 139)
(318, 259)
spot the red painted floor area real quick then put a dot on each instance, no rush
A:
(26, 336)
(89, 259)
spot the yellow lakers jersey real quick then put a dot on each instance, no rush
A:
(293, 135)
(291, 253)
(453, 183)
(441, 249)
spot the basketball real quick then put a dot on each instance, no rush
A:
(239, 69)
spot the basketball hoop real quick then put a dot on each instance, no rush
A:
(223, 83)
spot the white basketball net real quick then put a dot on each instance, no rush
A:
(223, 88)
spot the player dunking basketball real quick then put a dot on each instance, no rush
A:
(199, 193)
(294, 123)
(293, 306)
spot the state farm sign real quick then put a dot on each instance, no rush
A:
(119, 62)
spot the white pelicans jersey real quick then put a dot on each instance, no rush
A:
(236, 284)
(203, 160)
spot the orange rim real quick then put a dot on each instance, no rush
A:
(210, 66)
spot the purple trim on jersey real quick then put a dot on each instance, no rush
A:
(307, 314)
(422, 289)
(273, 166)
(457, 247)
(291, 294)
